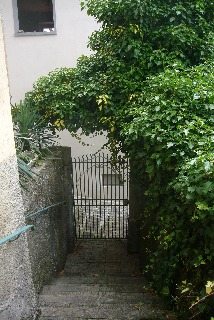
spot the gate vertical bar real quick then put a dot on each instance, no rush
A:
(91, 196)
(127, 165)
(88, 195)
(96, 166)
(111, 200)
(84, 194)
(119, 163)
(107, 195)
(100, 193)
(76, 204)
(115, 202)
(124, 235)
(81, 207)
(98, 212)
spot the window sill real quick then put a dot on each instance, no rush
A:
(26, 34)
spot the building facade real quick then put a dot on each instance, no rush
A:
(31, 54)
(40, 36)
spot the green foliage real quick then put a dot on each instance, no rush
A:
(31, 132)
(149, 83)
(173, 121)
(32, 137)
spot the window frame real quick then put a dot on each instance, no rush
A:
(104, 179)
(24, 34)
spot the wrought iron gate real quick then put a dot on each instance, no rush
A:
(101, 191)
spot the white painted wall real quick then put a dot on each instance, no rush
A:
(30, 57)
(92, 143)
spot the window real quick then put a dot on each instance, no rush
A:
(35, 16)
(112, 180)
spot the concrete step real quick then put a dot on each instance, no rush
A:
(84, 298)
(101, 281)
(127, 265)
(69, 318)
(105, 311)
(111, 287)
(162, 317)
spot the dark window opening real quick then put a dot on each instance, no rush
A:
(112, 180)
(35, 16)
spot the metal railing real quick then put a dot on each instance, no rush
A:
(17, 233)
(42, 211)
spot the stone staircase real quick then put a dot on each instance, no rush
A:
(101, 281)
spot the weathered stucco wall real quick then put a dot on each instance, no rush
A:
(17, 296)
(53, 236)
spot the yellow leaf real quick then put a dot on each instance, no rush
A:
(209, 287)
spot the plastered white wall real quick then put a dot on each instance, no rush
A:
(87, 145)
(30, 57)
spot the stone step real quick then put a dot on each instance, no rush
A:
(113, 287)
(84, 298)
(124, 264)
(100, 279)
(69, 318)
(94, 268)
(167, 316)
(101, 256)
(93, 273)
(105, 311)
(101, 282)
(78, 261)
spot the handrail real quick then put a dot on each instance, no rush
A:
(43, 210)
(16, 234)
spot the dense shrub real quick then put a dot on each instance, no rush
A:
(149, 83)
(173, 120)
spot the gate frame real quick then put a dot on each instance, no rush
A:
(98, 164)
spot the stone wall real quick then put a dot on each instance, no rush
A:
(17, 295)
(53, 236)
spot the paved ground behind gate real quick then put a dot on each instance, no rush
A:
(101, 281)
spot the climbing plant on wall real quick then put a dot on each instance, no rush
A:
(149, 83)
